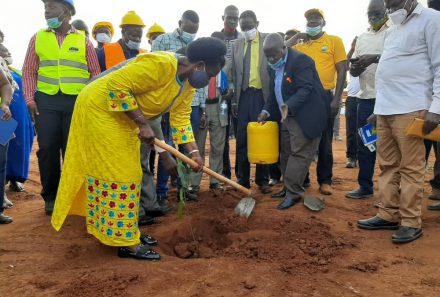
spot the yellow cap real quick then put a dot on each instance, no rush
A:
(314, 11)
(155, 29)
(103, 24)
(131, 18)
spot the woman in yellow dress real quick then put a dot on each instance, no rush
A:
(102, 173)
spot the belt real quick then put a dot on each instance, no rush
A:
(212, 101)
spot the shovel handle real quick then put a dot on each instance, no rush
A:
(206, 170)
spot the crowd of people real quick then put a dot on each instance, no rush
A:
(97, 112)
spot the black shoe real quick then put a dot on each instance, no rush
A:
(359, 194)
(265, 189)
(146, 220)
(280, 194)
(377, 223)
(406, 234)
(273, 182)
(48, 212)
(142, 252)
(289, 201)
(4, 219)
(148, 240)
(435, 207)
(216, 186)
(351, 163)
(16, 187)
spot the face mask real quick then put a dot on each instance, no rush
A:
(188, 37)
(278, 65)
(378, 24)
(313, 31)
(103, 38)
(54, 23)
(250, 34)
(8, 60)
(199, 79)
(133, 45)
(399, 16)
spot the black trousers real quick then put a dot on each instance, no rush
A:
(226, 156)
(250, 106)
(366, 158)
(324, 168)
(351, 105)
(52, 125)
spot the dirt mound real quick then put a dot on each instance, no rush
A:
(213, 230)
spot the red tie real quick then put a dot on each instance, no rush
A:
(212, 88)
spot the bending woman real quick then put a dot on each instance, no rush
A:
(102, 175)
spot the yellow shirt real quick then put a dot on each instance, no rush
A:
(254, 77)
(326, 51)
(149, 82)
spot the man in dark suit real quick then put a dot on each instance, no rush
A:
(297, 96)
(250, 82)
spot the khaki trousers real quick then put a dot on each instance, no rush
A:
(402, 170)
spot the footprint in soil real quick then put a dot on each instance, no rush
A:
(74, 251)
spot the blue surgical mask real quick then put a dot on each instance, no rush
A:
(54, 23)
(313, 31)
(278, 65)
(188, 37)
(133, 45)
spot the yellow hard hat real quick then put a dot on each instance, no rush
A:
(314, 11)
(155, 29)
(131, 18)
(103, 24)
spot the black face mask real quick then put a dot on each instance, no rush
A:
(199, 79)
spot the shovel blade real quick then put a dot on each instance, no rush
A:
(245, 207)
(314, 203)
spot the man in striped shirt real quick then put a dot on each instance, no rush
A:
(59, 62)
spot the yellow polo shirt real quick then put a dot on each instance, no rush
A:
(326, 51)
(254, 77)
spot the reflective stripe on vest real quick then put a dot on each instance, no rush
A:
(62, 68)
(114, 54)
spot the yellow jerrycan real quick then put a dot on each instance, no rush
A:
(263, 143)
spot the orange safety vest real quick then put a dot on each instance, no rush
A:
(114, 54)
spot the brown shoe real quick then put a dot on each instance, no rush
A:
(325, 189)
(435, 194)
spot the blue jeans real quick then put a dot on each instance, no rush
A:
(366, 158)
(3, 162)
(162, 174)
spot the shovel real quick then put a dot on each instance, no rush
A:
(243, 208)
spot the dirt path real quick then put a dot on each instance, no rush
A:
(291, 253)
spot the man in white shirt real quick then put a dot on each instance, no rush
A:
(369, 47)
(408, 87)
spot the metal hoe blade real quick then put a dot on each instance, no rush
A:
(314, 203)
(245, 207)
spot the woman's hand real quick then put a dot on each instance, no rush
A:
(146, 134)
(6, 112)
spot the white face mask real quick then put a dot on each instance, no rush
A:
(103, 38)
(251, 34)
(399, 16)
(8, 60)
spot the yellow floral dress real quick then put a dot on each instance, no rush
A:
(102, 173)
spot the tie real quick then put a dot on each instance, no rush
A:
(247, 66)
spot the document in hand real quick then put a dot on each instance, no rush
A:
(368, 135)
(7, 129)
(415, 128)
